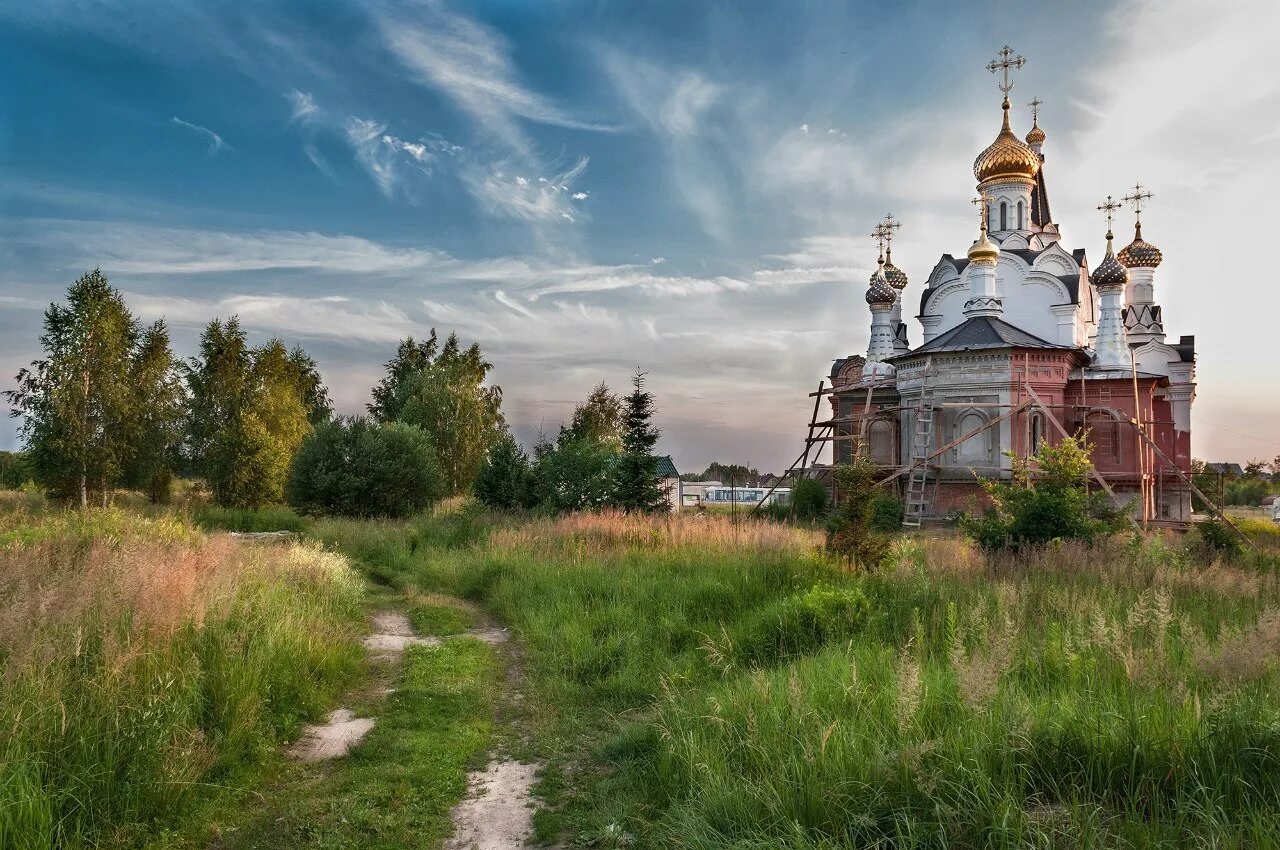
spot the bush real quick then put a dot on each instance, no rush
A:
(809, 500)
(352, 467)
(1046, 501)
(887, 513)
(852, 531)
(15, 470)
(505, 480)
(574, 475)
(1217, 538)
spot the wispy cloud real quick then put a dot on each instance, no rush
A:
(216, 143)
(470, 64)
(333, 318)
(502, 190)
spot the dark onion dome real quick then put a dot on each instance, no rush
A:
(897, 277)
(880, 293)
(1110, 272)
(1007, 156)
(1140, 254)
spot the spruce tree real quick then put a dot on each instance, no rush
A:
(637, 486)
(411, 358)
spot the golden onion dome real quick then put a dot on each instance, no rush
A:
(897, 277)
(1140, 254)
(1110, 272)
(1036, 136)
(984, 250)
(880, 293)
(1007, 156)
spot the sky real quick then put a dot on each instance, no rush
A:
(591, 188)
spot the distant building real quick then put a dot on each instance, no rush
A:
(670, 482)
(722, 495)
(1228, 469)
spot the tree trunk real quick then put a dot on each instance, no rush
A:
(84, 486)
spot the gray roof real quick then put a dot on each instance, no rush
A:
(983, 332)
(1028, 256)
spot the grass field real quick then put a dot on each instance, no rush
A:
(703, 684)
(148, 667)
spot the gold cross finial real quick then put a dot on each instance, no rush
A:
(1137, 199)
(981, 202)
(1035, 110)
(1007, 61)
(1109, 207)
(887, 226)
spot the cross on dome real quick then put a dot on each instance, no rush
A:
(1137, 199)
(1109, 207)
(1007, 61)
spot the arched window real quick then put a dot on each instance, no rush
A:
(1004, 216)
(1037, 432)
(1020, 224)
(974, 451)
(880, 441)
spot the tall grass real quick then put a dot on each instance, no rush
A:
(729, 687)
(144, 663)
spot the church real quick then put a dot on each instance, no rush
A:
(1023, 340)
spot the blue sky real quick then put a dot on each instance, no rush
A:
(590, 187)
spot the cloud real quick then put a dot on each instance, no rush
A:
(338, 319)
(470, 64)
(304, 105)
(502, 193)
(216, 144)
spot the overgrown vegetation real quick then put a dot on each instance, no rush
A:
(146, 666)
(1046, 500)
(703, 683)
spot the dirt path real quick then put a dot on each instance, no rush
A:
(498, 811)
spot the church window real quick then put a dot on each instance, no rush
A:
(1020, 224)
(1037, 432)
(880, 441)
(1004, 216)
(1104, 433)
(973, 451)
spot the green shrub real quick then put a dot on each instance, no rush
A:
(353, 467)
(505, 481)
(887, 513)
(1047, 500)
(574, 475)
(1217, 538)
(852, 530)
(809, 500)
(15, 470)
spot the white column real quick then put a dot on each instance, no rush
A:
(1112, 345)
(984, 298)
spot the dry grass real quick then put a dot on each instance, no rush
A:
(613, 530)
(139, 658)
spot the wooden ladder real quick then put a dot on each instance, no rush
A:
(917, 500)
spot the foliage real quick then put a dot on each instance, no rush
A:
(248, 414)
(809, 500)
(739, 474)
(268, 518)
(391, 391)
(887, 513)
(505, 481)
(598, 418)
(15, 470)
(1046, 500)
(852, 531)
(147, 667)
(574, 475)
(447, 398)
(156, 423)
(1218, 538)
(76, 401)
(637, 486)
(1113, 695)
(800, 624)
(354, 467)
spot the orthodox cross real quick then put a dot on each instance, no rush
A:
(1109, 208)
(886, 227)
(1137, 199)
(982, 203)
(1007, 61)
(1035, 110)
